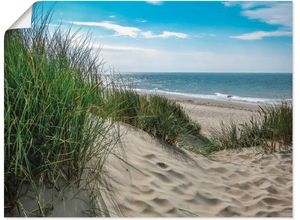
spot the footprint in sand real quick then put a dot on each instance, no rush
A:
(162, 165)
(150, 156)
(161, 202)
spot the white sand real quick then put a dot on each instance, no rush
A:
(70, 201)
(155, 181)
(210, 117)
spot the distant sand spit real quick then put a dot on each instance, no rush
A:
(155, 181)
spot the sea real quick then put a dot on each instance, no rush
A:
(235, 87)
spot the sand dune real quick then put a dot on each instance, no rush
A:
(153, 180)
(148, 178)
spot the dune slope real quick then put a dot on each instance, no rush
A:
(153, 180)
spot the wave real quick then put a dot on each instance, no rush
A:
(217, 96)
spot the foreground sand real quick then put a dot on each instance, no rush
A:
(148, 178)
(156, 181)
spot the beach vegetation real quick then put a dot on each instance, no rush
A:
(159, 116)
(52, 89)
(271, 130)
(57, 108)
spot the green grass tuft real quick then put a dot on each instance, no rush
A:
(274, 126)
(52, 87)
(157, 115)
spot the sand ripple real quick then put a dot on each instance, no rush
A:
(160, 183)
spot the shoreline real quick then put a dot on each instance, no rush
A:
(247, 106)
(241, 105)
(217, 97)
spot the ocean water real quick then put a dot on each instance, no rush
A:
(235, 87)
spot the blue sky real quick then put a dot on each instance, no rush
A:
(184, 36)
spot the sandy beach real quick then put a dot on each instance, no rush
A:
(148, 178)
(156, 181)
(211, 113)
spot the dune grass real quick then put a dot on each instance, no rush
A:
(161, 117)
(278, 123)
(57, 107)
(165, 119)
(52, 88)
(273, 129)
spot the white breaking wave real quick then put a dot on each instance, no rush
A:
(217, 96)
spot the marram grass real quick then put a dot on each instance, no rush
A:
(274, 127)
(57, 107)
(51, 89)
(159, 116)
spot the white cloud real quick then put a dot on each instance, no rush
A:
(275, 13)
(154, 2)
(129, 31)
(118, 29)
(164, 34)
(258, 35)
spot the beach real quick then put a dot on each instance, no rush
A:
(156, 181)
(144, 115)
(145, 177)
(211, 113)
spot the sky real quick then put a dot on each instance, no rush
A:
(157, 36)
